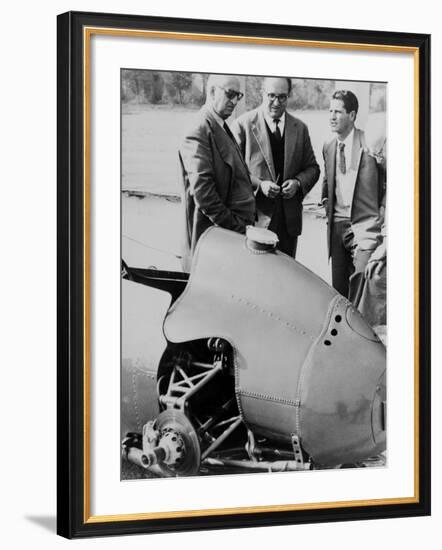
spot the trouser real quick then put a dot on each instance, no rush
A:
(287, 243)
(348, 263)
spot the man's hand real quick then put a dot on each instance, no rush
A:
(289, 188)
(374, 269)
(270, 189)
(376, 262)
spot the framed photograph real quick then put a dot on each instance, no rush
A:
(243, 274)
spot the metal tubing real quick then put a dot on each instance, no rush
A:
(169, 399)
(221, 438)
(277, 466)
(218, 413)
(202, 365)
(202, 383)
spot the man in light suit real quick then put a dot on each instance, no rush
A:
(278, 152)
(217, 187)
(352, 194)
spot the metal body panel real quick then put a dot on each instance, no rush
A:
(306, 362)
(139, 399)
(342, 390)
(269, 307)
(143, 344)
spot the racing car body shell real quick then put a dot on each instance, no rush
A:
(306, 363)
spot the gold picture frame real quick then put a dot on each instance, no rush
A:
(75, 32)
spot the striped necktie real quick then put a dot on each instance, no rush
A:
(342, 166)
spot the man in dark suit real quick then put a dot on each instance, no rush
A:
(278, 152)
(217, 187)
(352, 194)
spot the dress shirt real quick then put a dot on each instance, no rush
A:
(220, 120)
(271, 124)
(344, 182)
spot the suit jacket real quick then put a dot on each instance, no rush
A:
(299, 162)
(217, 189)
(368, 191)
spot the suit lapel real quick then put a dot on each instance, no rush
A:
(225, 145)
(290, 137)
(259, 130)
(238, 150)
(356, 155)
(356, 151)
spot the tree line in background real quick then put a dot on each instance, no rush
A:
(188, 90)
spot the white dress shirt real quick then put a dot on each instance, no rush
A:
(344, 182)
(220, 120)
(271, 123)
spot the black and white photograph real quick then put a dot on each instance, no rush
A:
(243, 268)
(254, 274)
(220, 232)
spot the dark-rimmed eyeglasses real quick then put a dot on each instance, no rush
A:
(232, 94)
(282, 98)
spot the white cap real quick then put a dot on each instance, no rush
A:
(264, 238)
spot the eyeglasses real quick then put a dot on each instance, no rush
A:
(282, 98)
(232, 94)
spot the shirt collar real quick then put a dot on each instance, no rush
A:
(271, 124)
(217, 117)
(348, 141)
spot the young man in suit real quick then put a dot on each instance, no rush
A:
(352, 193)
(278, 152)
(217, 187)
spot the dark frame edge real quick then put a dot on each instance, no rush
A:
(247, 29)
(70, 280)
(70, 203)
(63, 312)
(252, 520)
(425, 274)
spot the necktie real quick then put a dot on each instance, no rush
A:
(235, 144)
(228, 132)
(277, 131)
(342, 166)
